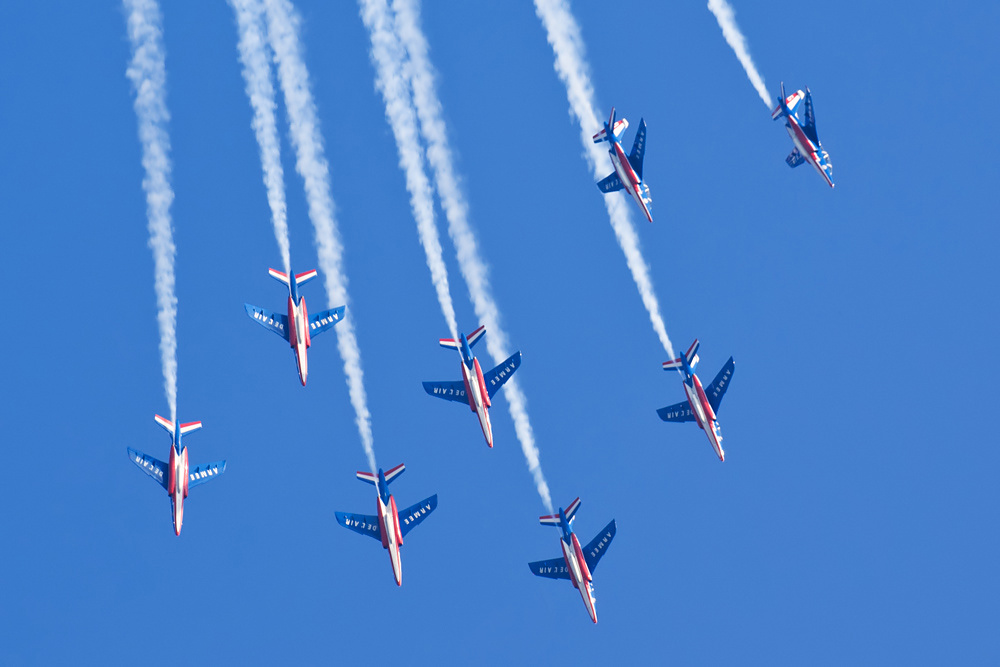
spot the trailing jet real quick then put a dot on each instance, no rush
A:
(701, 405)
(388, 526)
(475, 388)
(628, 170)
(577, 564)
(298, 327)
(807, 145)
(176, 477)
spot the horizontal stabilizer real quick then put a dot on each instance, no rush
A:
(190, 426)
(553, 519)
(638, 149)
(271, 321)
(620, 126)
(550, 569)
(320, 322)
(364, 524)
(393, 473)
(414, 515)
(791, 102)
(496, 377)
(474, 337)
(205, 472)
(612, 183)
(691, 355)
(449, 343)
(593, 552)
(279, 276)
(304, 277)
(153, 467)
(720, 384)
(450, 391)
(165, 423)
(368, 477)
(679, 412)
(794, 158)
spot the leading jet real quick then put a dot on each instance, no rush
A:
(175, 476)
(388, 526)
(628, 170)
(807, 145)
(298, 327)
(476, 389)
(577, 564)
(701, 405)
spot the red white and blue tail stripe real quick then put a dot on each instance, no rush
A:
(691, 355)
(553, 519)
(169, 425)
(474, 337)
(390, 475)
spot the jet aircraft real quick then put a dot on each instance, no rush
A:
(807, 145)
(576, 564)
(475, 388)
(388, 526)
(701, 405)
(175, 476)
(298, 327)
(628, 170)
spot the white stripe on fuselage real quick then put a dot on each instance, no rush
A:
(628, 176)
(706, 425)
(476, 394)
(577, 577)
(300, 344)
(389, 526)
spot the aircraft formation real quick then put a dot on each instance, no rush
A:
(477, 388)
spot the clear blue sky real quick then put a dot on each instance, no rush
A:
(853, 521)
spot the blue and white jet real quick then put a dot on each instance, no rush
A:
(389, 525)
(577, 563)
(701, 405)
(628, 170)
(476, 389)
(298, 327)
(175, 476)
(807, 145)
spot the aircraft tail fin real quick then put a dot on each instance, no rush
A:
(554, 520)
(616, 127)
(787, 105)
(691, 356)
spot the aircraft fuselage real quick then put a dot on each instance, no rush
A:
(298, 335)
(807, 149)
(391, 537)
(703, 413)
(479, 398)
(628, 177)
(177, 485)
(579, 573)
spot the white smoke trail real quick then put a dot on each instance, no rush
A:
(387, 55)
(282, 28)
(564, 36)
(473, 267)
(260, 90)
(148, 75)
(726, 17)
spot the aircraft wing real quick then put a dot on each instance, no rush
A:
(153, 467)
(360, 523)
(320, 322)
(638, 149)
(610, 184)
(270, 321)
(450, 391)
(205, 472)
(593, 552)
(679, 412)
(552, 569)
(412, 516)
(809, 128)
(720, 384)
(794, 158)
(496, 377)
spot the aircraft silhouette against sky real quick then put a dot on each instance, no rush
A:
(297, 327)
(628, 170)
(576, 564)
(807, 145)
(175, 476)
(701, 405)
(475, 389)
(389, 526)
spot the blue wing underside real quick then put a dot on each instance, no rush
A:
(275, 322)
(320, 322)
(363, 524)
(612, 183)
(155, 468)
(554, 568)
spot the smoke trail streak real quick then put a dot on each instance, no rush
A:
(387, 54)
(473, 267)
(727, 21)
(147, 72)
(260, 90)
(282, 28)
(571, 66)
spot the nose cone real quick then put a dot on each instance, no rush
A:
(178, 516)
